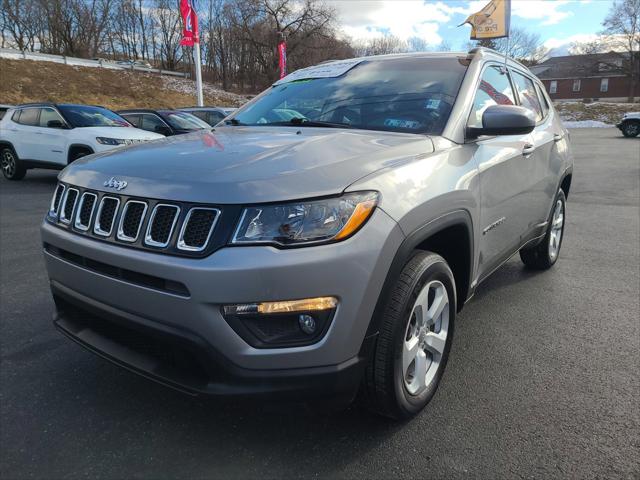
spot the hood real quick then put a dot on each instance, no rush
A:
(242, 165)
(119, 132)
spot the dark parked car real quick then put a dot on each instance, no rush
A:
(211, 115)
(165, 122)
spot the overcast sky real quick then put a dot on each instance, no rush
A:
(559, 22)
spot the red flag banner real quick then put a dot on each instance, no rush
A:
(282, 60)
(190, 21)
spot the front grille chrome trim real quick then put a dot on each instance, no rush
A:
(120, 234)
(148, 239)
(63, 205)
(53, 211)
(182, 245)
(97, 228)
(77, 223)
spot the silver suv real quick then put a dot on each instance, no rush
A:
(321, 242)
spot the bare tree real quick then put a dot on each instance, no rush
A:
(622, 32)
(521, 45)
(382, 45)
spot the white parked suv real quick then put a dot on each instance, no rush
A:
(47, 135)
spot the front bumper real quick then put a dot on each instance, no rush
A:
(104, 313)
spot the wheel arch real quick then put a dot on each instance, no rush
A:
(6, 143)
(74, 147)
(450, 236)
(565, 182)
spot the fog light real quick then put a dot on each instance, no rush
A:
(287, 323)
(307, 324)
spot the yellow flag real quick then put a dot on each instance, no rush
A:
(492, 21)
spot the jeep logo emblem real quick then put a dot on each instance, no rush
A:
(115, 183)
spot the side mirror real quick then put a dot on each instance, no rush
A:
(504, 120)
(56, 124)
(163, 130)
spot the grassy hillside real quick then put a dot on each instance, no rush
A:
(610, 113)
(24, 81)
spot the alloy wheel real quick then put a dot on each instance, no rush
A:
(8, 163)
(556, 230)
(425, 337)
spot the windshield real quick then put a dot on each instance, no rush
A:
(184, 121)
(402, 95)
(85, 116)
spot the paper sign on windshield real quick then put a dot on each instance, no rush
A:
(327, 70)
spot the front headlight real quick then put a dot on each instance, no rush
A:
(310, 222)
(118, 141)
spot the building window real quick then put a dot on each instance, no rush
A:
(553, 86)
(576, 85)
(604, 85)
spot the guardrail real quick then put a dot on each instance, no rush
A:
(82, 62)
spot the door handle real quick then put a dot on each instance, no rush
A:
(557, 137)
(528, 149)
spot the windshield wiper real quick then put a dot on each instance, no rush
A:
(305, 122)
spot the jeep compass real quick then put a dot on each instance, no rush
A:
(319, 243)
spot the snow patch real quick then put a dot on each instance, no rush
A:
(585, 124)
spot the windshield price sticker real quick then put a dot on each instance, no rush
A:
(328, 70)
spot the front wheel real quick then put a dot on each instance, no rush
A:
(12, 169)
(545, 254)
(631, 129)
(415, 337)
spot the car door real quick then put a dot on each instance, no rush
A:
(22, 132)
(542, 173)
(503, 165)
(50, 139)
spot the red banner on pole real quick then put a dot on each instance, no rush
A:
(190, 21)
(282, 60)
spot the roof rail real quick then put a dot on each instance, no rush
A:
(36, 104)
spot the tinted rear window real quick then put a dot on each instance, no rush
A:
(28, 116)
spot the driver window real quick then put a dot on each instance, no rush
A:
(494, 89)
(49, 114)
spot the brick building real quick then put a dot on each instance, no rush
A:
(600, 76)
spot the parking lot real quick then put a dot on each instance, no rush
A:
(543, 379)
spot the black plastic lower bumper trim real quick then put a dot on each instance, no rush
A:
(184, 361)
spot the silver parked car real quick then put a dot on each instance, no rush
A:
(321, 242)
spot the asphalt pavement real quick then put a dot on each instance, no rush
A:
(543, 379)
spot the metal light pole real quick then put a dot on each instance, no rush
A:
(196, 50)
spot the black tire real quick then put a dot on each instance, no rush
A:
(631, 129)
(384, 389)
(12, 167)
(539, 257)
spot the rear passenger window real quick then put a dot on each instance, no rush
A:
(133, 120)
(29, 116)
(527, 94)
(215, 117)
(200, 114)
(494, 89)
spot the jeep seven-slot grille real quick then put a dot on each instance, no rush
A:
(85, 211)
(163, 219)
(106, 216)
(55, 203)
(68, 205)
(131, 220)
(174, 228)
(197, 228)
